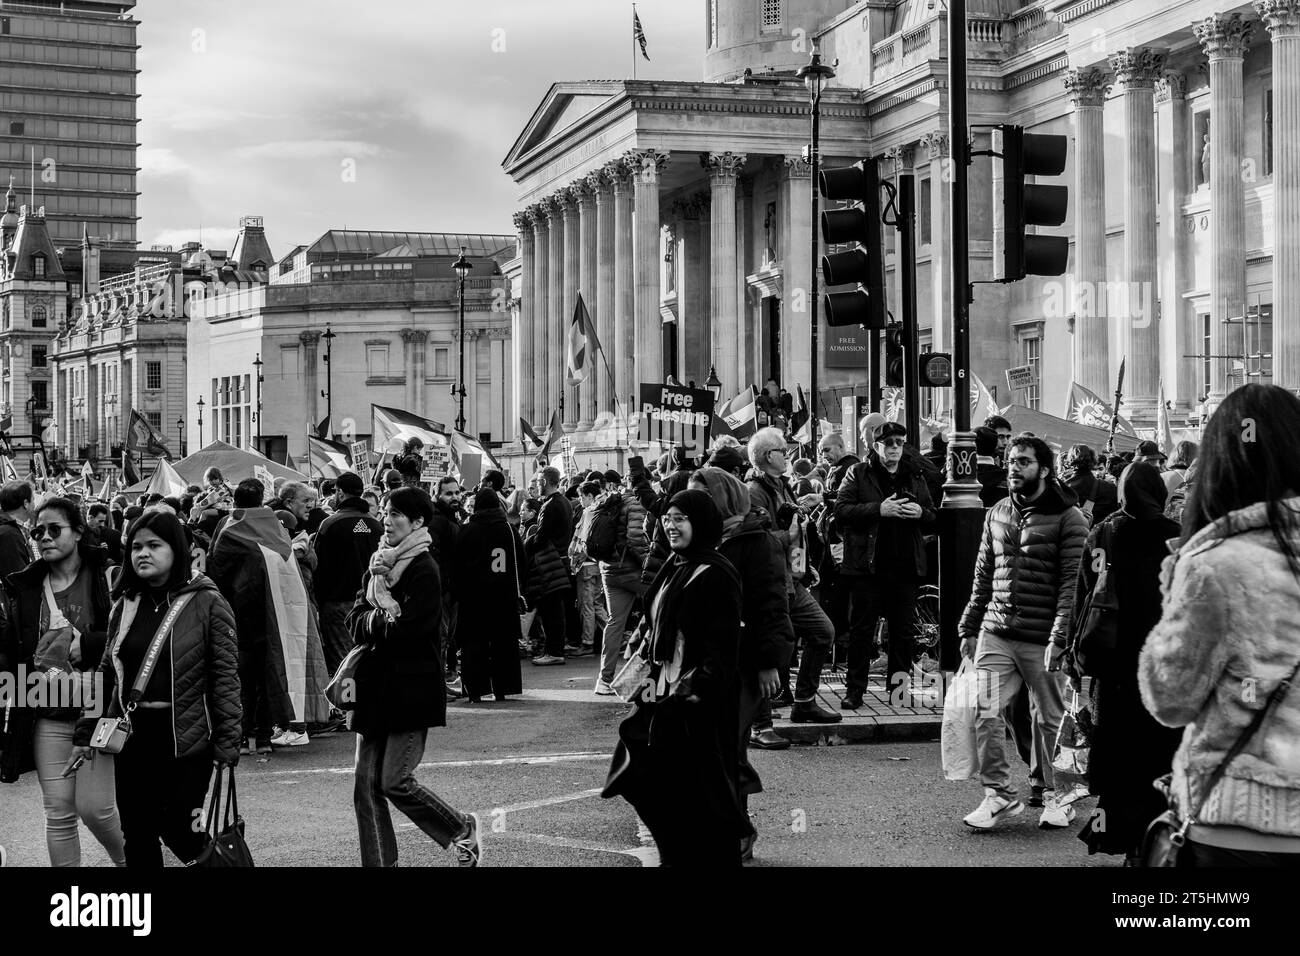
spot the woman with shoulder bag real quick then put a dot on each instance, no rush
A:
(57, 623)
(1222, 660)
(400, 690)
(170, 669)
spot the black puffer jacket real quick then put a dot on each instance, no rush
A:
(766, 635)
(445, 531)
(344, 544)
(1025, 573)
(857, 518)
(204, 692)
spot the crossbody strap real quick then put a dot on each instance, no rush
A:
(57, 617)
(155, 650)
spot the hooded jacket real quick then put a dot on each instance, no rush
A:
(1103, 495)
(857, 519)
(344, 544)
(1229, 634)
(445, 531)
(1026, 569)
(204, 691)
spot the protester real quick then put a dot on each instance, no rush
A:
(1128, 748)
(99, 532)
(1016, 624)
(488, 592)
(1002, 428)
(16, 504)
(620, 572)
(55, 623)
(676, 759)
(1184, 455)
(592, 613)
(1228, 638)
(444, 530)
(548, 548)
(989, 471)
(401, 689)
(189, 716)
(1098, 499)
(344, 544)
(1150, 452)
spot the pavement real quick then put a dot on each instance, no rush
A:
(532, 768)
(890, 710)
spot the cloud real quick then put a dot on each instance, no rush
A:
(212, 238)
(161, 161)
(313, 149)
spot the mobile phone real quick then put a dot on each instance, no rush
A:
(76, 765)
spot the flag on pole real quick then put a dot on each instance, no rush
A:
(323, 428)
(982, 404)
(800, 417)
(129, 474)
(165, 481)
(8, 470)
(583, 344)
(1164, 434)
(87, 470)
(462, 444)
(554, 432)
(141, 436)
(528, 432)
(390, 423)
(1088, 408)
(738, 416)
(329, 459)
(638, 34)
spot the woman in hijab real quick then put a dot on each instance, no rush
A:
(1129, 748)
(677, 755)
(488, 591)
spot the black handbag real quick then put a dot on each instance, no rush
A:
(341, 691)
(1162, 846)
(226, 846)
(1097, 635)
(16, 753)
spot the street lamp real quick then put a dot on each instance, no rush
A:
(180, 435)
(714, 386)
(257, 364)
(201, 403)
(461, 267)
(329, 337)
(814, 76)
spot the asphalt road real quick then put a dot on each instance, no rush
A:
(532, 769)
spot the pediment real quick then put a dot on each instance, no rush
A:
(564, 105)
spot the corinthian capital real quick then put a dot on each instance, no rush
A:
(723, 166)
(309, 338)
(645, 165)
(1137, 68)
(1224, 37)
(936, 144)
(1085, 87)
(1281, 17)
(797, 167)
(522, 222)
(1171, 86)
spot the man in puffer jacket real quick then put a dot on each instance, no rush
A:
(622, 578)
(1016, 625)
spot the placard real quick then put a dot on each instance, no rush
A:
(437, 462)
(677, 416)
(1022, 376)
(359, 451)
(263, 474)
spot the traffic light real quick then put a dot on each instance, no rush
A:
(1018, 204)
(863, 266)
(894, 356)
(936, 370)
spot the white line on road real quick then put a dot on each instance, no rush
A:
(521, 760)
(545, 802)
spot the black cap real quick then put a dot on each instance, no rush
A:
(1149, 449)
(890, 430)
(350, 483)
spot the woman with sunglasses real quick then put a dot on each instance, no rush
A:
(57, 623)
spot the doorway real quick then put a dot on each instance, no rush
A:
(770, 357)
(670, 350)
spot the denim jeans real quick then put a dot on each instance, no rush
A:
(385, 771)
(591, 603)
(1004, 665)
(620, 601)
(817, 632)
(88, 795)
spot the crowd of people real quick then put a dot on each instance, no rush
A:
(713, 592)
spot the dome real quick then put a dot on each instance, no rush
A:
(759, 35)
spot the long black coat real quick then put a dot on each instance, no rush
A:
(400, 685)
(1129, 749)
(487, 590)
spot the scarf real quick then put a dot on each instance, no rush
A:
(387, 566)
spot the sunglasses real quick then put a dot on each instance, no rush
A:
(54, 531)
(893, 442)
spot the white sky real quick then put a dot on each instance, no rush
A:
(251, 107)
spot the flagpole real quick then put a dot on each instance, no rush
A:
(1114, 416)
(634, 42)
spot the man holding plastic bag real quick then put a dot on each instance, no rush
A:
(1016, 625)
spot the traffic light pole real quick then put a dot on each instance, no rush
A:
(814, 159)
(906, 213)
(962, 515)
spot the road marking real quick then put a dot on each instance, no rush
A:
(566, 843)
(513, 761)
(545, 802)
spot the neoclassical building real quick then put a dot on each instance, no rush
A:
(681, 210)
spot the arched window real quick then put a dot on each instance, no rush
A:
(38, 317)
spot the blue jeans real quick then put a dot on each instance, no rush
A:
(89, 795)
(385, 771)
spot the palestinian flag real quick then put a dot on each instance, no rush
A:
(329, 459)
(389, 423)
(141, 436)
(252, 563)
(463, 444)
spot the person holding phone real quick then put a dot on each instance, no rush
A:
(883, 511)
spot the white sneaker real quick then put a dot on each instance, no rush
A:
(290, 738)
(993, 811)
(1055, 816)
(603, 689)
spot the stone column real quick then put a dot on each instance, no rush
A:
(586, 193)
(1091, 346)
(408, 368)
(419, 364)
(693, 287)
(1224, 40)
(1282, 18)
(622, 349)
(935, 147)
(796, 267)
(555, 371)
(674, 361)
(647, 164)
(604, 266)
(311, 390)
(1177, 337)
(724, 299)
(572, 279)
(522, 337)
(1136, 71)
(539, 337)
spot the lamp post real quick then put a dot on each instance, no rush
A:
(180, 435)
(329, 337)
(257, 366)
(461, 267)
(714, 386)
(201, 403)
(814, 76)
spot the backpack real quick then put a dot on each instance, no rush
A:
(1097, 634)
(602, 534)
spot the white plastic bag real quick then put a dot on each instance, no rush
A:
(957, 735)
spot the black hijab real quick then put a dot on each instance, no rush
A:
(677, 572)
(168, 527)
(1142, 492)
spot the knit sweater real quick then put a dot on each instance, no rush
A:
(1230, 632)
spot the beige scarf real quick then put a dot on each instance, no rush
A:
(386, 568)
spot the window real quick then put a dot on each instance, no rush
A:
(38, 356)
(154, 419)
(41, 394)
(1031, 354)
(38, 317)
(771, 14)
(1268, 132)
(38, 266)
(153, 374)
(376, 360)
(923, 212)
(1259, 341)
(440, 363)
(16, 128)
(1207, 349)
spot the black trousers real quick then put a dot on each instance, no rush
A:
(889, 595)
(160, 798)
(551, 611)
(252, 691)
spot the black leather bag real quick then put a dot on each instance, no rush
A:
(1098, 629)
(16, 753)
(226, 846)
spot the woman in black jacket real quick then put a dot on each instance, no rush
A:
(400, 690)
(677, 755)
(1129, 748)
(487, 590)
(66, 642)
(188, 715)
